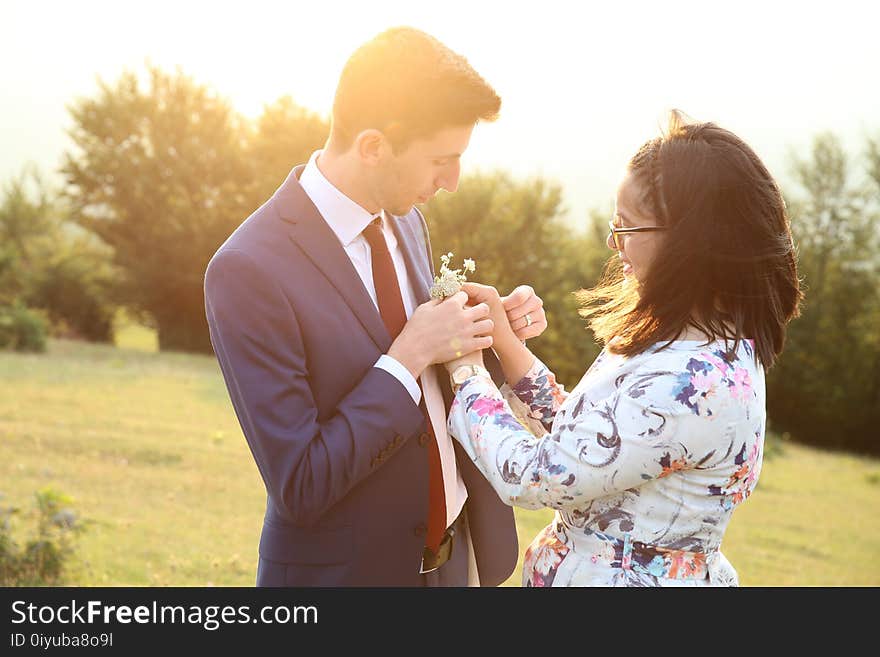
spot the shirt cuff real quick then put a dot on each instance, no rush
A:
(399, 372)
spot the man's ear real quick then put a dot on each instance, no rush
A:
(372, 146)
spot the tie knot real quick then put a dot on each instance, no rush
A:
(375, 237)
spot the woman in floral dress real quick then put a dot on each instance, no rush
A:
(647, 457)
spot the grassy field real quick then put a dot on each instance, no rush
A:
(148, 446)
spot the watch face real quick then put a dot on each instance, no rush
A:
(461, 374)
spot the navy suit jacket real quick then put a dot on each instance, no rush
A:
(336, 440)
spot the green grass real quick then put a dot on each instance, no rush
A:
(148, 446)
(129, 335)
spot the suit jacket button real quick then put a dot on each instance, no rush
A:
(424, 439)
(420, 529)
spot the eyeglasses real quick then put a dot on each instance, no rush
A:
(617, 232)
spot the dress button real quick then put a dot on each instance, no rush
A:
(420, 529)
(424, 439)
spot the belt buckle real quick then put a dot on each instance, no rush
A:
(431, 561)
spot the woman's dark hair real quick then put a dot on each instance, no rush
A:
(407, 84)
(726, 263)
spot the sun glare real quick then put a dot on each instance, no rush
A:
(582, 84)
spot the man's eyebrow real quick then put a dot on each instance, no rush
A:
(447, 156)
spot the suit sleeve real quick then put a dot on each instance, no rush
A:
(307, 464)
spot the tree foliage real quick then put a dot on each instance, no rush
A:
(163, 172)
(50, 265)
(826, 387)
(515, 232)
(285, 134)
(26, 233)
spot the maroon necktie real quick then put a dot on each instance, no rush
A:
(394, 316)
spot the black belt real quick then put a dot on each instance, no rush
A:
(431, 560)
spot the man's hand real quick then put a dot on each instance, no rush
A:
(440, 331)
(525, 312)
(473, 358)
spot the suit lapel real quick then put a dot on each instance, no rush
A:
(417, 266)
(410, 236)
(319, 244)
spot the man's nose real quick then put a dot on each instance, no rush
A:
(448, 180)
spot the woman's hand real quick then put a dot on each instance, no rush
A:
(525, 312)
(515, 358)
(502, 333)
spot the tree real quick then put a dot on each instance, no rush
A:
(49, 264)
(871, 323)
(516, 234)
(285, 134)
(27, 229)
(163, 174)
(825, 387)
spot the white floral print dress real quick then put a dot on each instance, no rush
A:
(644, 461)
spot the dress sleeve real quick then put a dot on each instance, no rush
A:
(636, 434)
(540, 393)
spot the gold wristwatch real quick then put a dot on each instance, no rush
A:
(463, 372)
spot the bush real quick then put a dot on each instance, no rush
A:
(45, 555)
(22, 329)
(50, 264)
(75, 288)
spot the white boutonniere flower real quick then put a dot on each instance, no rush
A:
(449, 281)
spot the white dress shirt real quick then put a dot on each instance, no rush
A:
(347, 220)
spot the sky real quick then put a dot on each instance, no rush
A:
(583, 84)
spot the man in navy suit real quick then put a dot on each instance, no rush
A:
(344, 413)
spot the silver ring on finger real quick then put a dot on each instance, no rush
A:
(529, 321)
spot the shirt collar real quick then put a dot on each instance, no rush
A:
(345, 217)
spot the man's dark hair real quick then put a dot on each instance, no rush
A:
(408, 85)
